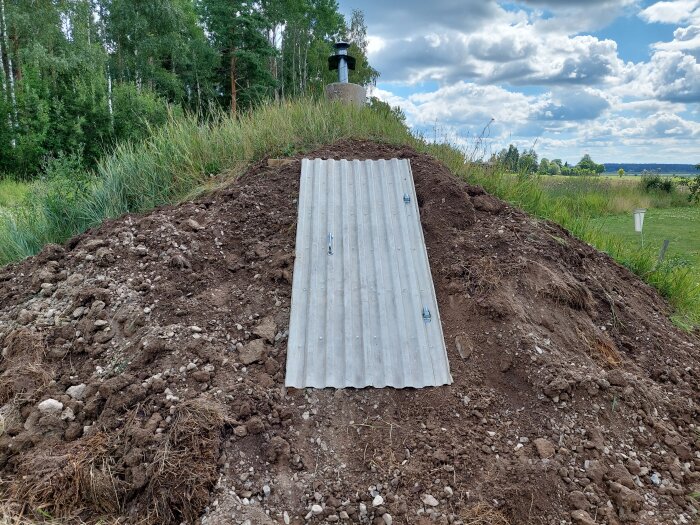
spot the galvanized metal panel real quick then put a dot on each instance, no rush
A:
(364, 311)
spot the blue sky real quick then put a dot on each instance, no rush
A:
(618, 79)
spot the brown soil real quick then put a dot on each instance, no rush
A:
(142, 376)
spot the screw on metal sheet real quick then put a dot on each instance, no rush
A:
(406, 198)
(330, 244)
(426, 315)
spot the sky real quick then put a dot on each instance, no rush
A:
(617, 79)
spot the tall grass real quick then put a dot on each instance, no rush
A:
(180, 159)
(186, 157)
(12, 193)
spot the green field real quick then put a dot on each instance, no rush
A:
(681, 226)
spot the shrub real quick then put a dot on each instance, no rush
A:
(657, 182)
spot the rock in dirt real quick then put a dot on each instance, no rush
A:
(581, 517)
(545, 448)
(266, 329)
(429, 500)
(253, 352)
(77, 392)
(50, 406)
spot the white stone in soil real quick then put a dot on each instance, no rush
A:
(388, 520)
(429, 500)
(316, 509)
(77, 391)
(50, 406)
(378, 500)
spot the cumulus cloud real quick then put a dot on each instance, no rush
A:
(672, 12)
(674, 76)
(532, 66)
(573, 105)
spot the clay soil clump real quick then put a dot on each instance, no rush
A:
(142, 376)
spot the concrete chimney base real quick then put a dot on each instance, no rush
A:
(350, 93)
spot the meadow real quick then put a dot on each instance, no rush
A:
(187, 157)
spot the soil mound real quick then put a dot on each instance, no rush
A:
(142, 376)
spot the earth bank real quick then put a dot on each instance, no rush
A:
(142, 376)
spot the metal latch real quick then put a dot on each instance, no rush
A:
(406, 198)
(426, 315)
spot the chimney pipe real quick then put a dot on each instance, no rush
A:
(341, 61)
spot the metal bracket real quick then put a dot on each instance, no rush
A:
(426, 315)
(406, 198)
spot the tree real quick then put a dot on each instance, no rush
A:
(509, 158)
(238, 31)
(620, 172)
(528, 161)
(586, 165)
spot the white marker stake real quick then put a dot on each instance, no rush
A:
(639, 222)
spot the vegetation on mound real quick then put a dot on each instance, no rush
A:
(186, 157)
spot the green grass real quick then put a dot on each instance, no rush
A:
(679, 225)
(12, 193)
(186, 157)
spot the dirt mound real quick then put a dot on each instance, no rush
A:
(142, 376)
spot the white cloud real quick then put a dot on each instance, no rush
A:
(536, 72)
(673, 76)
(672, 12)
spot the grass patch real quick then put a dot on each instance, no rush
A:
(12, 193)
(678, 225)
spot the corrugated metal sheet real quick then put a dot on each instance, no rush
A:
(364, 311)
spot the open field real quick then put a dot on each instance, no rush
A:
(678, 225)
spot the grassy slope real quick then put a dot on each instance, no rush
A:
(184, 158)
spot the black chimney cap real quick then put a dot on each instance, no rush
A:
(341, 45)
(335, 59)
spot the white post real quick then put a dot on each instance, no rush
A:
(639, 222)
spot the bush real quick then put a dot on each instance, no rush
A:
(657, 182)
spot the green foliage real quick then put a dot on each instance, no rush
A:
(657, 183)
(87, 74)
(386, 110)
(137, 112)
(693, 186)
(586, 165)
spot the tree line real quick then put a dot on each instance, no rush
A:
(78, 76)
(528, 161)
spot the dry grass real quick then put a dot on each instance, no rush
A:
(186, 465)
(559, 286)
(82, 479)
(483, 514)
(607, 351)
(62, 481)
